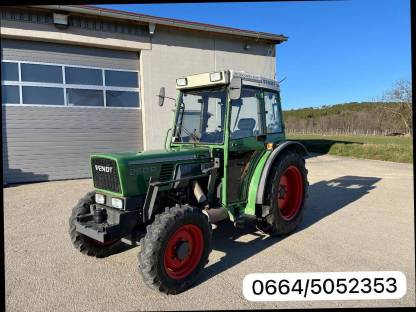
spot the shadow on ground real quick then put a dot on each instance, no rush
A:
(322, 146)
(325, 198)
(14, 175)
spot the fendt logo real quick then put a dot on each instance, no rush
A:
(103, 168)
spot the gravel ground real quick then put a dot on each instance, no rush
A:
(360, 217)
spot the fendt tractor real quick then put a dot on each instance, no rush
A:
(225, 158)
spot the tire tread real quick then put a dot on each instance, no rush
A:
(152, 247)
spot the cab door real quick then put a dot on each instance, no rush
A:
(246, 140)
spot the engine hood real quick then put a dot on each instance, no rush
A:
(156, 156)
(134, 170)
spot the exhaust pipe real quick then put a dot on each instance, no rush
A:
(198, 192)
(216, 215)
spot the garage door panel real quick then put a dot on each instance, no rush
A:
(48, 52)
(68, 132)
(85, 114)
(43, 142)
(76, 128)
(49, 153)
(36, 153)
(100, 143)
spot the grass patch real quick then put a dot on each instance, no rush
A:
(397, 149)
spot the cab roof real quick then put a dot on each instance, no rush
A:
(223, 77)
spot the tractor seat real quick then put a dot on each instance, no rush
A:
(245, 128)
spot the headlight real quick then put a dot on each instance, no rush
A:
(215, 76)
(117, 203)
(99, 198)
(180, 82)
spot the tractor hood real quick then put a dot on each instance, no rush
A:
(160, 156)
(129, 173)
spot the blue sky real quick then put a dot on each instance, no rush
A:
(338, 51)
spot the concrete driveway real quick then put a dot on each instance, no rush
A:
(360, 218)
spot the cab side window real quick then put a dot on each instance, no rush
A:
(245, 121)
(273, 112)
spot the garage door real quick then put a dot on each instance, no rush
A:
(60, 103)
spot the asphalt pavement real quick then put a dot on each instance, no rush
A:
(359, 217)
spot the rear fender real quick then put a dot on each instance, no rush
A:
(271, 161)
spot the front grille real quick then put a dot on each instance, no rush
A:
(166, 172)
(105, 174)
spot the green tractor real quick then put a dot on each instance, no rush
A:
(226, 158)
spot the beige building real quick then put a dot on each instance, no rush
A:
(81, 79)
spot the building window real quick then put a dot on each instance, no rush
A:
(121, 79)
(84, 97)
(41, 73)
(10, 94)
(42, 95)
(121, 98)
(28, 83)
(84, 76)
(9, 71)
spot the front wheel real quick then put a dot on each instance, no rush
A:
(175, 249)
(287, 194)
(85, 244)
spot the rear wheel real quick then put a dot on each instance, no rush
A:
(175, 249)
(287, 193)
(85, 244)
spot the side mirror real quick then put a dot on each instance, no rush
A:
(161, 96)
(235, 88)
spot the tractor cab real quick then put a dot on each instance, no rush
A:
(235, 115)
(216, 108)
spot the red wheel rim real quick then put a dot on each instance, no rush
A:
(290, 193)
(183, 251)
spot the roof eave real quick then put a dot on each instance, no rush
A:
(85, 9)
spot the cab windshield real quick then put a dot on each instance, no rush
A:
(200, 118)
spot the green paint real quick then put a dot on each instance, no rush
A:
(250, 208)
(226, 149)
(135, 169)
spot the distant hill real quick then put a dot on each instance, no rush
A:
(336, 109)
(346, 118)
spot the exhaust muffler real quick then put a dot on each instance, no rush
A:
(198, 192)
(216, 215)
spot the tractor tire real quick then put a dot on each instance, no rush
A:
(286, 194)
(85, 244)
(175, 249)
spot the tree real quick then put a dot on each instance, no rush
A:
(380, 114)
(401, 95)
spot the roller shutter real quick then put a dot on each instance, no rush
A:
(52, 123)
